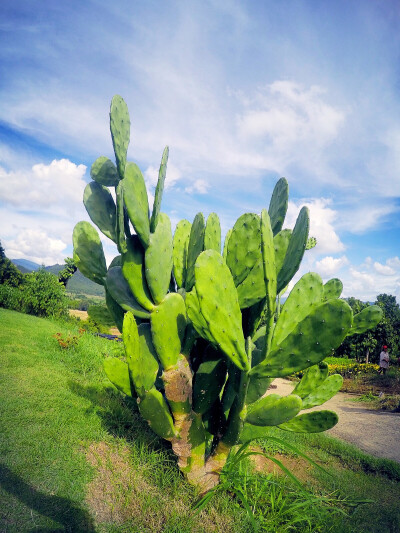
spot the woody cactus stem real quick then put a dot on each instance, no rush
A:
(202, 335)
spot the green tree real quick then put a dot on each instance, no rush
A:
(9, 273)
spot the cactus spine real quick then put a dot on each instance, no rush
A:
(202, 331)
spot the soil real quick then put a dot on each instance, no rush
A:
(374, 432)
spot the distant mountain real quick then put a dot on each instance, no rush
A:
(78, 284)
(29, 266)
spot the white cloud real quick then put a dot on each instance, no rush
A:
(200, 186)
(57, 187)
(37, 246)
(172, 176)
(322, 221)
(394, 262)
(385, 270)
(329, 266)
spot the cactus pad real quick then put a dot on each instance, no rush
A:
(133, 271)
(312, 378)
(136, 201)
(119, 289)
(220, 307)
(295, 249)
(101, 208)
(313, 339)
(212, 235)
(120, 126)
(368, 318)
(195, 247)
(118, 373)
(104, 172)
(244, 246)
(273, 410)
(140, 354)
(88, 252)
(324, 392)
(303, 298)
(180, 251)
(154, 409)
(168, 326)
(313, 422)
(158, 259)
(159, 190)
(278, 205)
(333, 289)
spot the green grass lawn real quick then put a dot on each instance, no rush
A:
(76, 456)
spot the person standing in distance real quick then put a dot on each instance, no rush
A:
(383, 361)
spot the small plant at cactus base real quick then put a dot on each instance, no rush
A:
(203, 331)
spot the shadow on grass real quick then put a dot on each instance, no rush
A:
(119, 415)
(61, 510)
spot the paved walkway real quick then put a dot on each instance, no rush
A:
(375, 432)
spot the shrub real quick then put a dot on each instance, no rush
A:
(44, 295)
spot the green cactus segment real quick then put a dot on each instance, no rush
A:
(104, 172)
(315, 337)
(120, 126)
(227, 237)
(158, 259)
(295, 250)
(88, 252)
(208, 380)
(268, 257)
(195, 316)
(118, 373)
(303, 298)
(133, 271)
(367, 319)
(120, 219)
(140, 354)
(324, 392)
(115, 309)
(159, 190)
(314, 422)
(257, 387)
(252, 289)
(180, 251)
(244, 246)
(333, 289)
(168, 326)
(120, 291)
(312, 378)
(220, 307)
(154, 409)
(278, 205)
(101, 208)
(311, 243)
(195, 247)
(281, 243)
(273, 410)
(136, 201)
(212, 235)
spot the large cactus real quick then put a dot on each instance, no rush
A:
(203, 334)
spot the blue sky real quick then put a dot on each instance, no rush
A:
(242, 92)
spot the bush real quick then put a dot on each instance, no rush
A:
(39, 294)
(44, 295)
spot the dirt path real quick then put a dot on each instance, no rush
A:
(375, 432)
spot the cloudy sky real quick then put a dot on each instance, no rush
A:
(242, 92)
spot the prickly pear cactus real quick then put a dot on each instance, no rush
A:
(204, 334)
